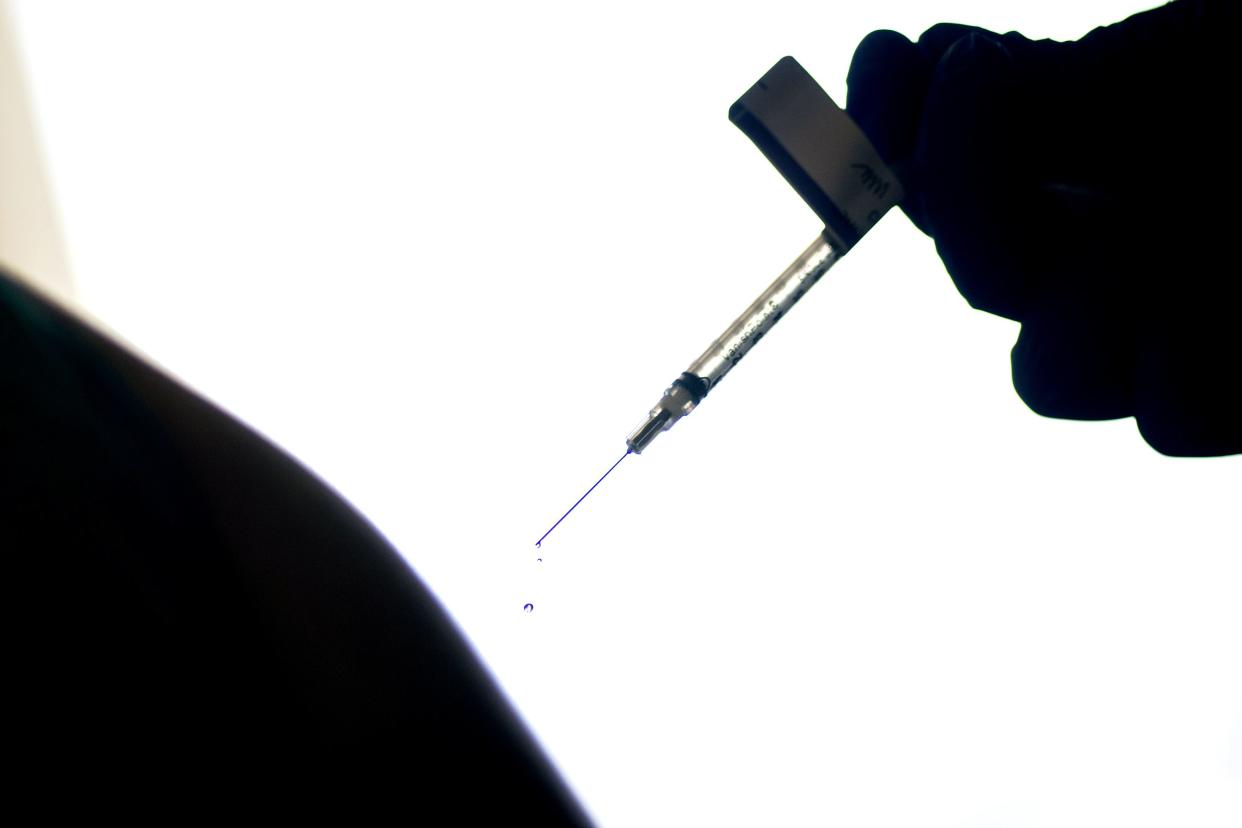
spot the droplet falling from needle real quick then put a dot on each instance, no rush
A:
(584, 497)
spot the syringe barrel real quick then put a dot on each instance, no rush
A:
(737, 340)
(709, 369)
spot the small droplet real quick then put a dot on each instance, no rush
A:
(538, 560)
(538, 544)
(528, 608)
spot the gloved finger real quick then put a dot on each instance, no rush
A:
(1183, 415)
(975, 194)
(1074, 358)
(1073, 361)
(1188, 395)
(939, 38)
(888, 80)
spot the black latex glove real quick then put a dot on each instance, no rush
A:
(1084, 189)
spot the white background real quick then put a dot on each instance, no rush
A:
(449, 254)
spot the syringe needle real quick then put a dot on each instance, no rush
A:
(579, 500)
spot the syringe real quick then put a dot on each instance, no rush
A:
(708, 370)
(833, 166)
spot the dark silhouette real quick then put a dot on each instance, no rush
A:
(1086, 190)
(196, 602)
(190, 597)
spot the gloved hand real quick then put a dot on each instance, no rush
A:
(1086, 190)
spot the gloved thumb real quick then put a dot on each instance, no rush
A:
(888, 81)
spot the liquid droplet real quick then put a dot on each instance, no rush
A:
(528, 608)
(538, 560)
(538, 544)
